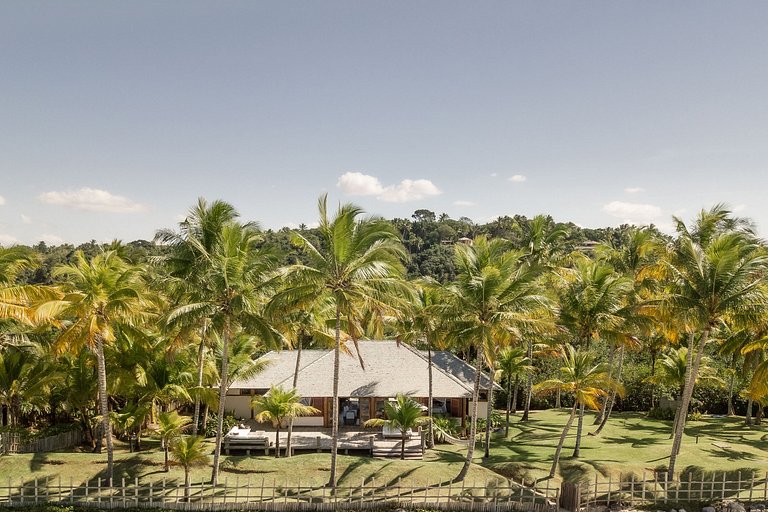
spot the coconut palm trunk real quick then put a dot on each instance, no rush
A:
(748, 415)
(509, 403)
(604, 408)
(106, 431)
(473, 420)
(200, 362)
(403, 439)
(335, 402)
(488, 414)
(559, 449)
(277, 441)
(430, 401)
(222, 397)
(691, 374)
(288, 444)
(612, 400)
(579, 430)
(514, 395)
(528, 386)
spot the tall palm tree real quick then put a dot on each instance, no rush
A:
(593, 306)
(170, 427)
(16, 297)
(418, 325)
(358, 267)
(403, 414)
(187, 452)
(237, 282)
(495, 293)
(587, 382)
(279, 405)
(100, 294)
(513, 364)
(187, 264)
(715, 270)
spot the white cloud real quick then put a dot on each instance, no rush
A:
(518, 178)
(92, 199)
(26, 219)
(494, 174)
(739, 208)
(8, 239)
(633, 213)
(634, 190)
(359, 184)
(461, 202)
(2, 200)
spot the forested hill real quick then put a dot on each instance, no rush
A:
(427, 236)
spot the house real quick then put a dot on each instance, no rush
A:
(390, 368)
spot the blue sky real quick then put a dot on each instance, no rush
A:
(116, 116)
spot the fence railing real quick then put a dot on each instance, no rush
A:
(12, 442)
(655, 488)
(248, 494)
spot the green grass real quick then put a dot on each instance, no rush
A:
(629, 443)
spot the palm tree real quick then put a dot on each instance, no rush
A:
(171, 425)
(716, 270)
(279, 405)
(493, 296)
(198, 236)
(403, 414)
(26, 377)
(593, 306)
(513, 363)
(358, 268)
(187, 452)
(100, 294)
(586, 380)
(418, 324)
(15, 298)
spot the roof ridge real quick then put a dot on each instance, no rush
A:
(447, 374)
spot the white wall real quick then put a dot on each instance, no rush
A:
(241, 405)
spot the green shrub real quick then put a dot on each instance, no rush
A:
(210, 428)
(666, 414)
(444, 425)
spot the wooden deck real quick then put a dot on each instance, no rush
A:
(351, 440)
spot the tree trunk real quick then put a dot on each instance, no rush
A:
(488, 414)
(653, 374)
(509, 405)
(277, 441)
(200, 362)
(335, 402)
(402, 444)
(514, 394)
(206, 410)
(431, 400)
(579, 430)
(604, 408)
(748, 415)
(473, 420)
(690, 382)
(612, 400)
(528, 385)
(104, 407)
(759, 416)
(187, 490)
(558, 404)
(165, 453)
(223, 385)
(567, 427)
(731, 384)
(288, 441)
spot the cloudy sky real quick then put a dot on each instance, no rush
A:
(116, 116)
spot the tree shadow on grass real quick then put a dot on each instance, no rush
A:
(634, 442)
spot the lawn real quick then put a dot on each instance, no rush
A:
(629, 443)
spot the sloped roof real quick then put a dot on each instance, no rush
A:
(389, 369)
